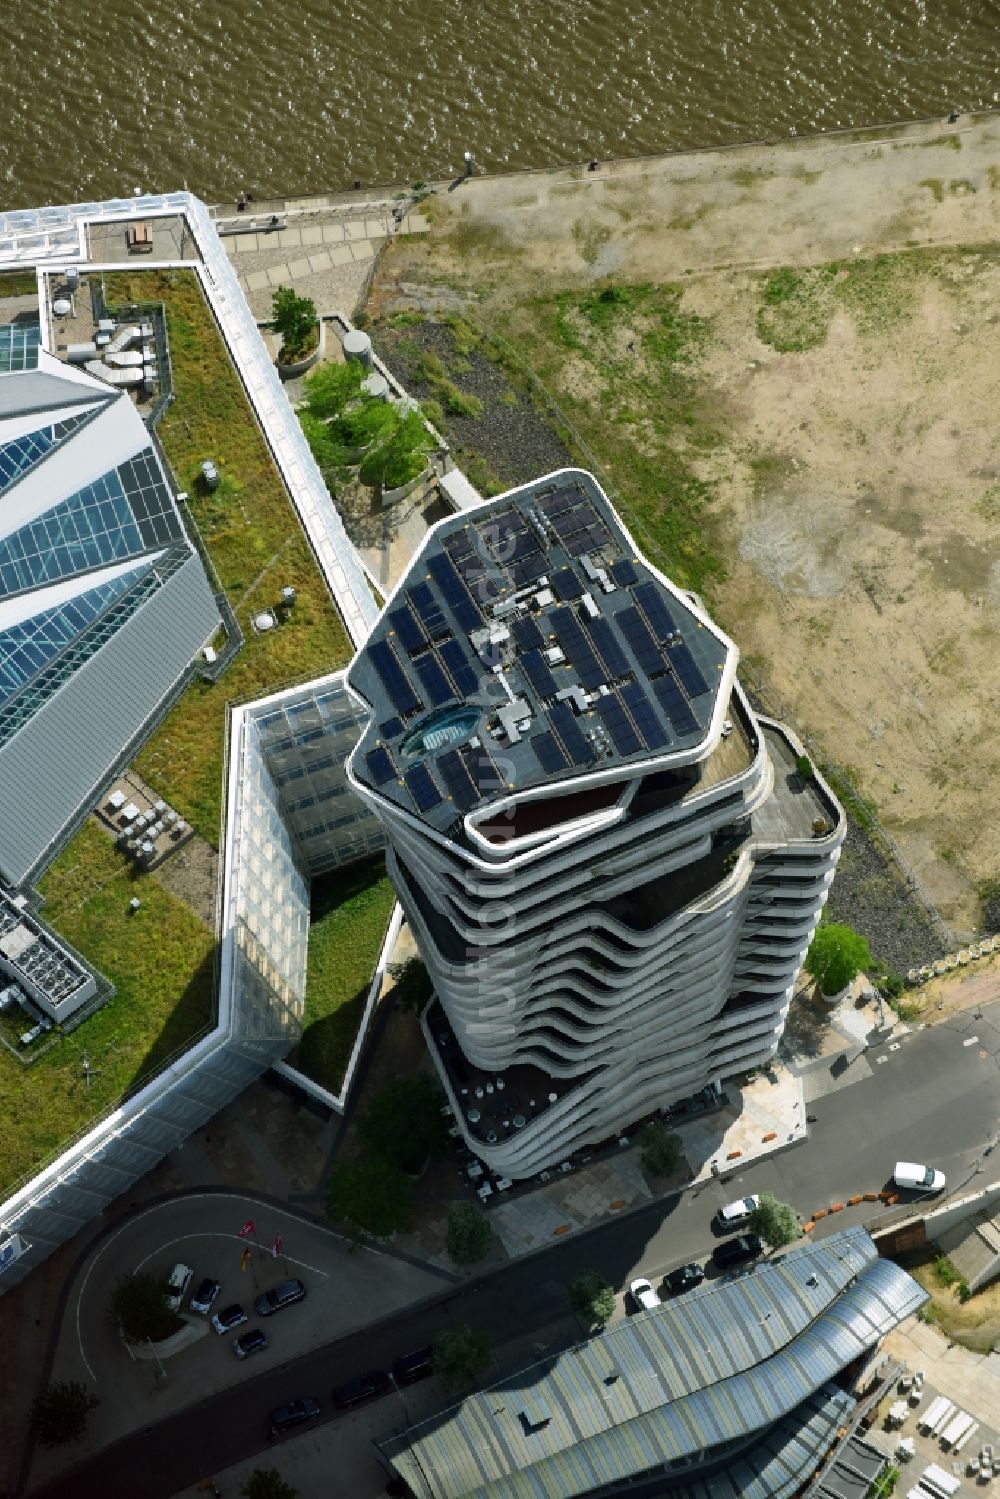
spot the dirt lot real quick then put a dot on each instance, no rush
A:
(815, 450)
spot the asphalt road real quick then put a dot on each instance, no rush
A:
(936, 1099)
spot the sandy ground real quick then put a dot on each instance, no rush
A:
(858, 483)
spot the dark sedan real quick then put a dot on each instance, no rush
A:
(738, 1251)
(286, 1417)
(683, 1278)
(358, 1391)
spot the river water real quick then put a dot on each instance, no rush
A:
(285, 98)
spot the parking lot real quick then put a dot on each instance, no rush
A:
(346, 1287)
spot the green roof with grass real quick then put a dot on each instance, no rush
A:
(162, 959)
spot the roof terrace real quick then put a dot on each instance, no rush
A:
(530, 645)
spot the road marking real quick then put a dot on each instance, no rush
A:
(894, 1046)
(263, 1250)
(971, 1041)
(880, 1060)
(173, 1204)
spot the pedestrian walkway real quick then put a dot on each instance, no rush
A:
(323, 253)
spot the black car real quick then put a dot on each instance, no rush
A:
(413, 1366)
(683, 1278)
(293, 1414)
(278, 1297)
(738, 1251)
(203, 1299)
(357, 1391)
(253, 1341)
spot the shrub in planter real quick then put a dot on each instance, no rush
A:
(294, 317)
(363, 422)
(399, 454)
(330, 388)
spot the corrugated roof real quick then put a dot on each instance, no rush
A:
(724, 1361)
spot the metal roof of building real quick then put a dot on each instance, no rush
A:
(775, 1467)
(103, 601)
(530, 644)
(730, 1358)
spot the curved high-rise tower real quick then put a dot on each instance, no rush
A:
(611, 865)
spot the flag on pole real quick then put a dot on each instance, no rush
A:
(277, 1247)
(244, 1259)
(247, 1229)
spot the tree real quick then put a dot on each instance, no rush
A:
(370, 1193)
(776, 1222)
(294, 317)
(461, 1354)
(404, 1124)
(60, 1413)
(660, 1149)
(139, 1307)
(330, 387)
(267, 1483)
(412, 988)
(399, 454)
(836, 954)
(592, 1298)
(469, 1234)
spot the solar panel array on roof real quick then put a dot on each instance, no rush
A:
(550, 753)
(394, 679)
(577, 647)
(606, 641)
(411, 636)
(527, 636)
(644, 716)
(427, 609)
(420, 784)
(660, 618)
(623, 736)
(566, 583)
(454, 656)
(454, 591)
(636, 632)
(457, 780)
(686, 668)
(483, 769)
(570, 734)
(433, 680)
(380, 766)
(675, 706)
(536, 669)
(390, 729)
(623, 572)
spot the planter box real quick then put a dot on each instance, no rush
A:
(391, 496)
(300, 366)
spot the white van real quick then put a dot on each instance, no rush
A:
(735, 1214)
(914, 1178)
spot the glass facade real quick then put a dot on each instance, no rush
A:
(19, 344)
(26, 647)
(22, 453)
(306, 740)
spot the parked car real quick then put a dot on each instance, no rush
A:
(735, 1213)
(203, 1298)
(177, 1284)
(914, 1178)
(357, 1391)
(413, 1366)
(293, 1414)
(738, 1251)
(229, 1318)
(253, 1341)
(643, 1295)
(683, 1279)
(279, 1297)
